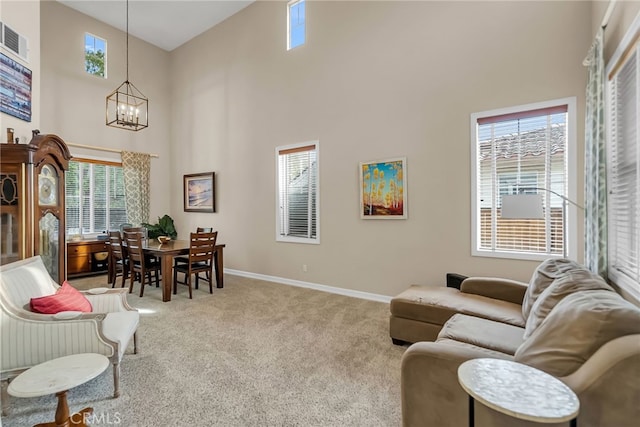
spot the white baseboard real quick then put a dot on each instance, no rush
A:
(309, 285)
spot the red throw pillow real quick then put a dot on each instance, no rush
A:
(67, 298)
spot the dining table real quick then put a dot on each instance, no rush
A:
(167, 251)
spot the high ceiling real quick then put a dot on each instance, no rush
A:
(163, 23)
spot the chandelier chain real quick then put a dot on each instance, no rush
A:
(127, 40)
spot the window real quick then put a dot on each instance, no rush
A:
(95, 55)
(623, 158)
(523, 150)
(94, 197)
(297, 193)
(296, 23)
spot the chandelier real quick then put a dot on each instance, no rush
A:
(127, 107)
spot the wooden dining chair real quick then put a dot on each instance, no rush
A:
(118, 259)
(200, 260)
(139, 264)
(185, 259)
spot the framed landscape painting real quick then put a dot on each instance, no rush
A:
(383, 189)
(199, 192)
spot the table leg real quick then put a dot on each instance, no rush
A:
(166, 266)
(62, 414)
(574, 422)
(219, 268)
(472, 419)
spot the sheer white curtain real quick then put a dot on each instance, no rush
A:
(595, 198)
(136, 168)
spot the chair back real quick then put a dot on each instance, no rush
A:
(25, 279)
(116, 250)
(133, 240)
(202, 246)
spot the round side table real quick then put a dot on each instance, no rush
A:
(518, 390)
(58, 376)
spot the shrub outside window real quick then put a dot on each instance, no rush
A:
(95, 55)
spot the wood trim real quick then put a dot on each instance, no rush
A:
(97, 162)
(297, 149)
(524, 114)
(628, 52)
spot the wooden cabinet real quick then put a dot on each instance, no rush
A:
(32, 209)
(86, 256)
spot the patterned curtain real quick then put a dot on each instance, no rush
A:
(595, 219)
(136, 168)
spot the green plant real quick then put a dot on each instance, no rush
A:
(164, 227)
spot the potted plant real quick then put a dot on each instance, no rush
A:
(164, 227)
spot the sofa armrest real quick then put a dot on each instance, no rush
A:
(497, 288)
(113, 300)
(430, 392)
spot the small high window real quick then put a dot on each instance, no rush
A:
(95, 55)
(296, 24)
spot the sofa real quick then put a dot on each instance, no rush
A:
(566, 321)
(28, 338)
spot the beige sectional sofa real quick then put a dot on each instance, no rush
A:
(567, 322)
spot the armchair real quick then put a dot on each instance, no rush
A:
(28, 338)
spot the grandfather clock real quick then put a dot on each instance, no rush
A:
(32, 213)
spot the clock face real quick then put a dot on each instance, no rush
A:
(47, 186)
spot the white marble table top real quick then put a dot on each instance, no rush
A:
(58, 375)
(518, 390)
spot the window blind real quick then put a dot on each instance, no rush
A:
(94, 197)
(297, 192)
(521, 152)
(624, 175)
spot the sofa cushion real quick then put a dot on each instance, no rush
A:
(483, 333)
(120, 327)
(436, 304)
(569, 283)
(66, 298)
(544, 274)
(576, 328)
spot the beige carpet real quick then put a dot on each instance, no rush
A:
(252, 354)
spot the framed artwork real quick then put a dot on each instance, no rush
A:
(383, 189)
(199, 192)
(15, 88)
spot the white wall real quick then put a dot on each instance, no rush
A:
(23, 17)
(375, 80)
(73, 101)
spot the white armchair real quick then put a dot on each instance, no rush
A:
(28, 338)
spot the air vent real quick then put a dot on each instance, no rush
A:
(13, 41)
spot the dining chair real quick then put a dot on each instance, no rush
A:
(118, 259)
(201, 248)
(185, 259)
(139, 263)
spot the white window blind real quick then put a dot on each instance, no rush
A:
(521, 150)
(94, 197)
(297, 204)
(623, 170)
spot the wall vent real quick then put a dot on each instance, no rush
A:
(13, 41)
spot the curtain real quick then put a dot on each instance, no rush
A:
(595, 218)
(136, 168)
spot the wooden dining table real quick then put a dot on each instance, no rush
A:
(167, 251)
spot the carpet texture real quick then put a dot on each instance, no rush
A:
(255, 353)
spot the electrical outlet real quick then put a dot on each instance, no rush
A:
(304, 267)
